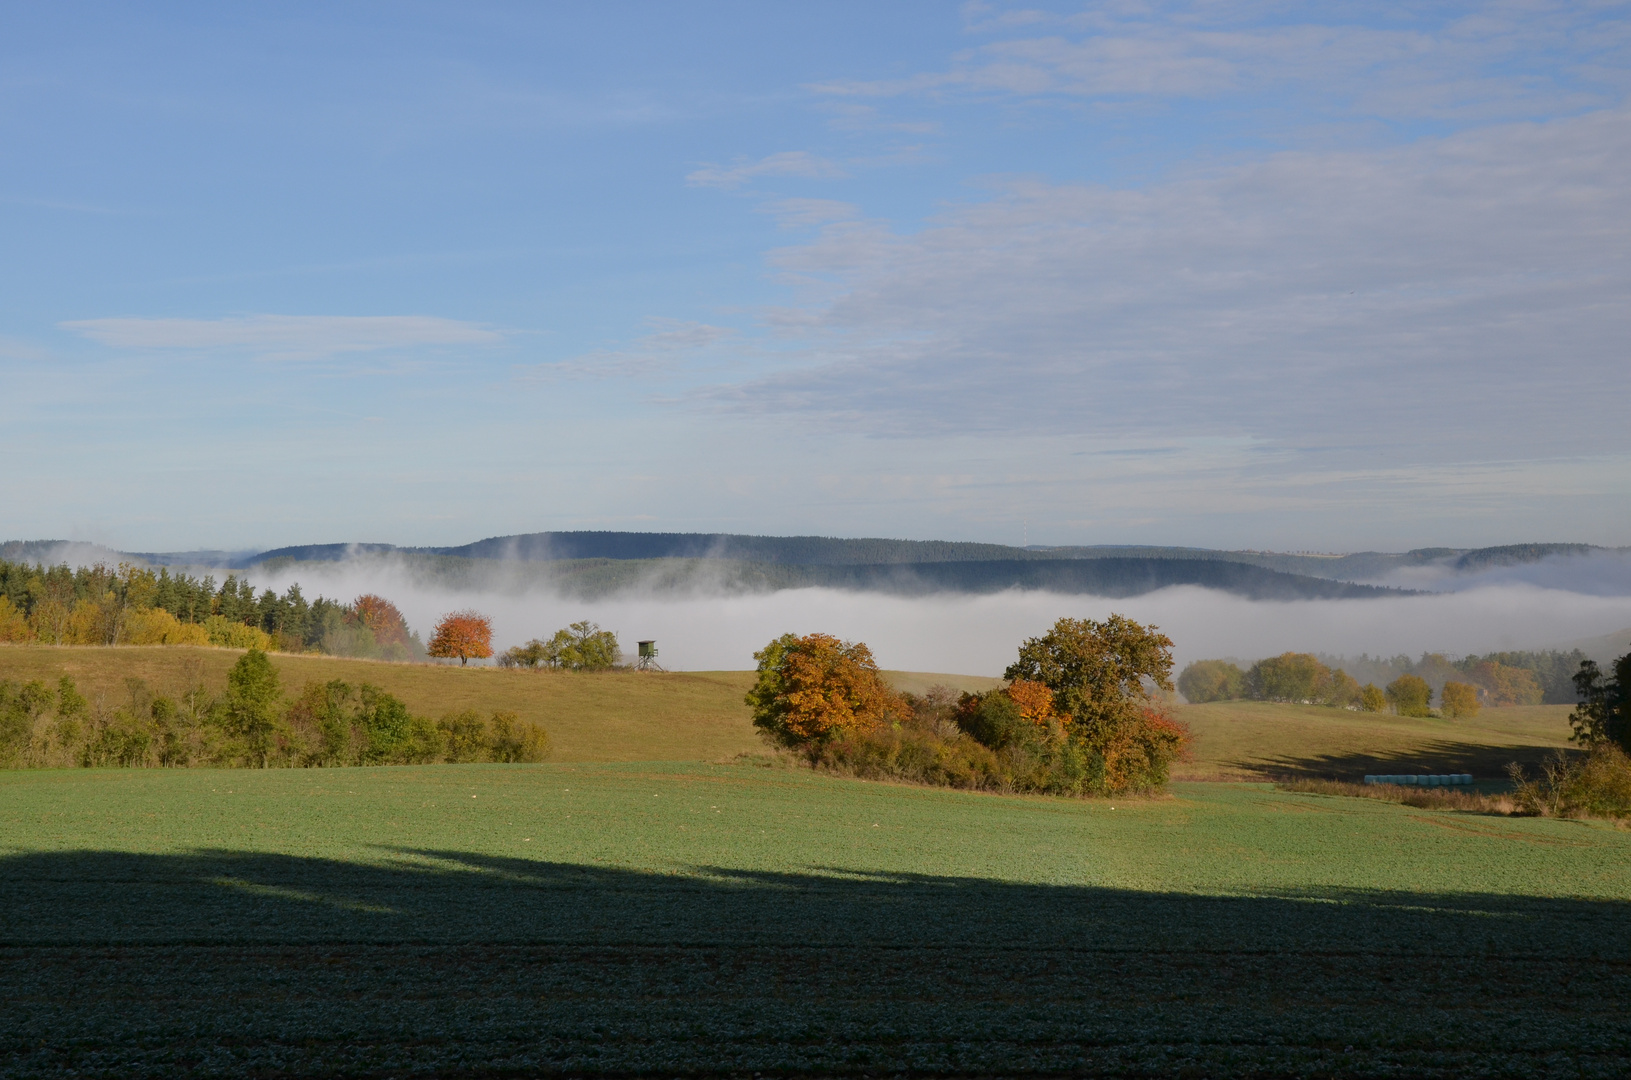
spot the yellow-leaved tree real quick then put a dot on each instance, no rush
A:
(1458, 701)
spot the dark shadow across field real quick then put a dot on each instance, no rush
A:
(450, 963)
(1438, 756)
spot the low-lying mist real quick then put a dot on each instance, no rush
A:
(978, 634)
(1595, 573)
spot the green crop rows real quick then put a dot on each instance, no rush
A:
(675, 919)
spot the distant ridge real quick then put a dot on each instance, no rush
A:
(798, 550)
(1517, 554)
(1112, 577)
(601, 562)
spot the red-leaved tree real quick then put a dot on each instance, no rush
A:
(382, 618)
(462, 634)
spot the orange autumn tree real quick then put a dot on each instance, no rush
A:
(814, 688)
(462, 634)
(1035, 702)
(383, 620)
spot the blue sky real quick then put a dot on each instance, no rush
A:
(1244, 275)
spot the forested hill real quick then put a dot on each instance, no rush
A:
(617, 559)
(1113, 577)
(836, 551)
(1109, 577)
(793, 550)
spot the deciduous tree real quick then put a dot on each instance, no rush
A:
(1103, 676)
(1410, 696)
(1212, 680)
(1295, 677)
(1097, 670)
(462, 634)
(382, 619)
(1034, 701)
(1505, 684)
(1458, 700)
(252, 705)
(813, 688)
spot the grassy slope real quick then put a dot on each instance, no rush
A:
(630, 919)
(620, 716)
(612, 717)
(700, 716)
(1238, 740)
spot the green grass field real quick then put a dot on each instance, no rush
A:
(604, 915)
(685, 918)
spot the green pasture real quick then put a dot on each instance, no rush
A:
(686, 918)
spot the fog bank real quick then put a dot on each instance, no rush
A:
(978, 635)
(1596, 573)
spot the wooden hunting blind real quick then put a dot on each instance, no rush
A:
(648, 657)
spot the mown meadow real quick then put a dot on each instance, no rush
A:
(689, 911)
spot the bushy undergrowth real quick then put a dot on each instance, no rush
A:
(985, 743)
(248, 724)
(1596, 785)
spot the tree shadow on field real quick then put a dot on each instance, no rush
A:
(456, 963)
(1438, 756)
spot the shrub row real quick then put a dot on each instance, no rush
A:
(248, 724)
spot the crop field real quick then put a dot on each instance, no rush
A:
(621, 919)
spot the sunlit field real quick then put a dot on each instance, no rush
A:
(693, 918)
(1246, 740)
(655, 901)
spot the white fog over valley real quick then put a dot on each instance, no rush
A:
(978, 634)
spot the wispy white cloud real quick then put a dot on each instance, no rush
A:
(286, 335)
(1445, 300)
(800, 163)
(1507, 62)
